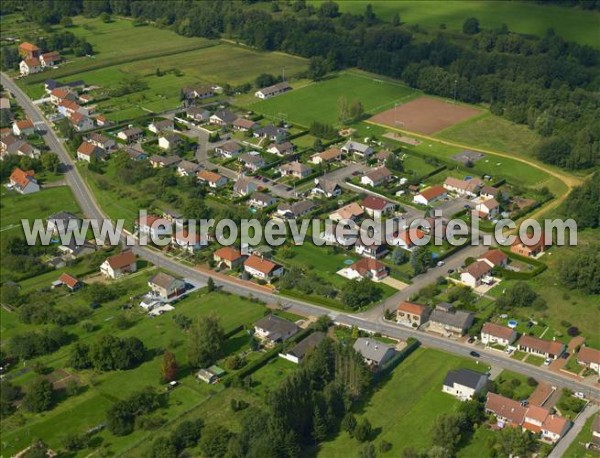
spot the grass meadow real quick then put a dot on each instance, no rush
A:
(319, 101)
(573, 24)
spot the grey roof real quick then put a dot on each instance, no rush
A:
(372, 349)
(270, 131)
(164, 280)
(455, 318)
(276, 327)
(62, 216)
(327, 185)
(231, 146)
(464, 377)
(189, 166)
(163, 124)
(243, 185)
(252, 159)
(262, 197)
(297, 208)
(306, 345)
(355, 146)
(283, 86)
(226, 115)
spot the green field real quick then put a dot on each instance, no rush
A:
(319, 101)
(573, 24)
(404, 407)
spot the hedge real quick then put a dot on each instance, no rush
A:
(412, 345)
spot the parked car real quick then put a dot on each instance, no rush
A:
(440, 263)
(474, 354)
(579, 395)
(450, 271)
(547, 361)
(471, 340)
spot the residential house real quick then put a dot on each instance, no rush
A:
(476, 273)
(407, 238)
(272, 329)
(30, 66)
(23, 181)
(357, 149)
(546, 348)
(488, 192)
(430, 195)
(261, 200)
(368, 268)
(214, 180)
(376, 177)
(161, 126)
(377, 207)
(102, 121)
(81, 122)
(382, 156)
(69, 281)
(468, 188)
(494, 258)
(87, 150)
(161, 162)
(243, 187)
(69, 107)
(411, 314)
(554, 428)
(228, 256)
(187, 168)
(166, 287)
(198, 114)
(153, 226)
(25, 149)
(169, 141)
(50, 59)
(198, 92)
(29, 50)
(447, 321)
(9, 144)
(190, 242)
(281, 149)
(370, 250)
(119, 265)
(327, 156)
(488, 209)
(326, 188)
(295, 210)
(61, 221)
(589, 357)
(272, 133)
(102, 141)
(508, 412)
(131, 135)
(50, 84)
(229, 149)
(530, 249)
(261, 268)
(253, 161)
(85, 98)
(304, 347)
(223, 118)
(464, 384)
(495, 334)
(350, 212)
(296, 169)
(272, 91)
(375, 353)
(135, 153)
(24, 128)
(74, 250)
(244, 124)
(59, 94)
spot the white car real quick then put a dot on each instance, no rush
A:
(547, 361)
(579, 395)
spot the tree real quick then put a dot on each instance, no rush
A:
(343, 109)
(356, 110)
(583, 203)
(581, 270)
(264, 80)
(447, 430)
(66, 22)
(370, 17)
(363, 430)
(360, 293)
(39, 395)
(317, 68)
(318, 145)
(349, 423)
(471, 26)
(169, 367)
(105, 17)
(74, 442)
(163, 447)
(518, 295)
(367, 451)
(187, 434)
(319, 432)
(421, 259)
(210, 285)
(205, 341)
(328, 9)
(394, 163)
(214, 441)
(399, 256)
(396, 19)
(50, 162)
(38, 449)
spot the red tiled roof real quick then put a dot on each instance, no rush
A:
(24, 124)
(32, 62)
(184, 236)
(544, 346)
(228, 253)
(209, 176)
(375, 203)
(365, 265)
(262, 265)
(21, 177)
(496, 257)
(410, 236)
(497, 331)
(409, 307)
(555, 424)
(589, 355)
(59, 92)
(123, 259)
(29, 47)
(537, 413)
(68, 280)
(505, 408)
(433, 192)
(478, 269)
(152, 220)
(87, 148)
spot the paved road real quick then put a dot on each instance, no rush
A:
(371, 321)
(561, 448)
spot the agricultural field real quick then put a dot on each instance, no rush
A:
(319, 100)
(573, 24)
(412, 396)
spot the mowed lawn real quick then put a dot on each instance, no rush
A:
(574, 24)
(319, 101)
(493, 132)
(404, 408)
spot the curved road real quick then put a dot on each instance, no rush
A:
(370, 321)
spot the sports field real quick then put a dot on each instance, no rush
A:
(319, 101)
(425, 115)
(573, 24)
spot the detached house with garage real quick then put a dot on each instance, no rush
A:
(166, 287)
(376, 177)
(214, 180)
(252, 161)
(327, 156)
(326, 188)
(244, 125)
(87, 151)
(243, 186)
(131, 135)
(350, 212)
(413, 315)
(358, 149)
(546, 348)
(272, 330)
(30, 66)
(119, 265)
(229, 149)
(375, 353)
(23, 181)
(295, 169)
(446, 320)
(464, 384)
(272, 91)
(377, 207)
(299, 352)
(23, 128)
(476, 273)
(488, 209)
(261, 268)
(223, 118)
(589, 357)
(468, 188)
(229, 257)
(281, 149)
(189, 241)
(368, 268)
(430, 195)
(494, 258)
(496, 334)
(161, 126)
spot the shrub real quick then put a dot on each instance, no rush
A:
(532, 382)
(573, 331)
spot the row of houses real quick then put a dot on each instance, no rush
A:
(34, 60)
(254, 265)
